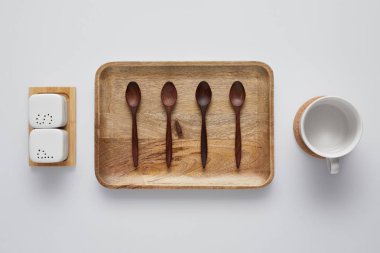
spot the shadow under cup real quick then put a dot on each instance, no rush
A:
(331, 127)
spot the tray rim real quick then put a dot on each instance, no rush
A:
(104, 66)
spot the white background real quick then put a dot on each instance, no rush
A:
(314, 48)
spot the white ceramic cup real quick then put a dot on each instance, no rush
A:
(331, 127)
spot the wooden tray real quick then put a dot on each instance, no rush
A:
(69, 93)
(113, 158)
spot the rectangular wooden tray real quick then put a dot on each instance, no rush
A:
(70, 95)
(113, 156)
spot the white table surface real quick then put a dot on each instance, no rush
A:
(314, 48)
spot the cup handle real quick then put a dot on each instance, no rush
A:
(333, 165)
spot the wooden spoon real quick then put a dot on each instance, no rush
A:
(203, 95)
(133, 97)
(169, 98)
(237, 97)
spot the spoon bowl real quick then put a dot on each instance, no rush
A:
(168, 94)
(133, 95)
(203, 94)
(237, 94)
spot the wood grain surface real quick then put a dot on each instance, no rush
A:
(296, 127)
(113, 162)
(70, 95)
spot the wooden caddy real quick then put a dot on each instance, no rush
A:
(70, 94)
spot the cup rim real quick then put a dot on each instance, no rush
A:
(349, 148)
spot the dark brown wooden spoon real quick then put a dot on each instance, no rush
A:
(169, 98)
(133, 97)
(203, 95)
(237, 97)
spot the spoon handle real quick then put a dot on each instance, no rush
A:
(168, 139)
(135, 141)
(238, 140)
(204, 141)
